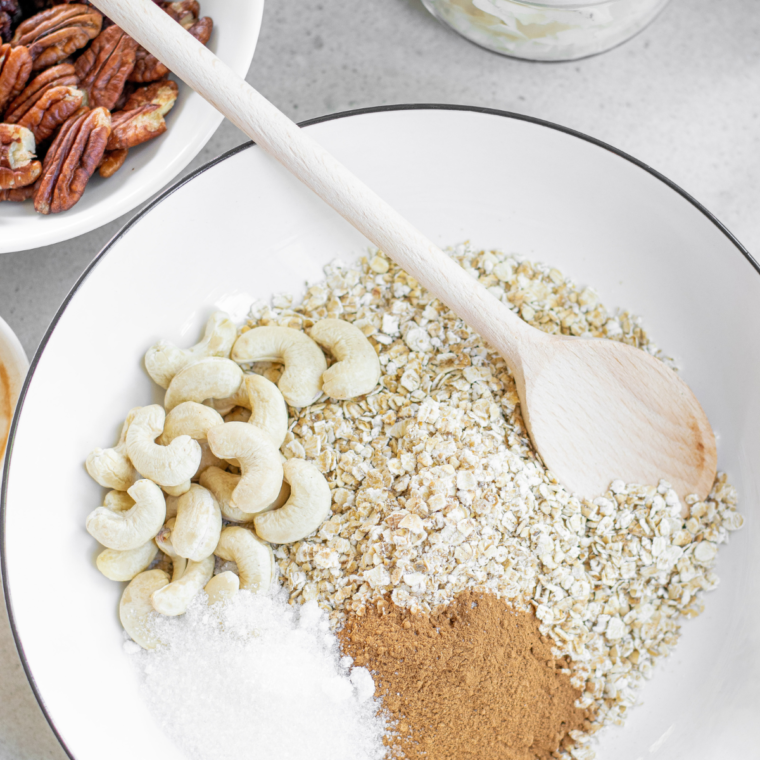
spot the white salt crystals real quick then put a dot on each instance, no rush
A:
(254, 677)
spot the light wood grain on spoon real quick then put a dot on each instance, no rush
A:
(596, 410)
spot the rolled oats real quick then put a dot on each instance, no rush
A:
(436, 487)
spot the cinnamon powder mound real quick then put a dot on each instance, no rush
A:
(474, 680)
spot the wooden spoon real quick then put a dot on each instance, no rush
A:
(596, 410)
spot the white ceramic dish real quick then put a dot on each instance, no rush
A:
(152, 165)
(500, 180)
(13, 368)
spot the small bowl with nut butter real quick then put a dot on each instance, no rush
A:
(91, 123)
(13, 368)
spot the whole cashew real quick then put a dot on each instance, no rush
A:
(132, 528)
(136, 610)
(164, 543)
(118, 501)
(170, 465)
(222, 587)
(111, 468)
(222, 484)
(184, 487)
(193, 419)
(198, 524)
(253, 557)
(305, 510)
(189, 418)
(304, 361)
(125, 565)
(269, 412)
(164, 360)
(213, 377)
(357, 369)
(175, 598)
(260, 465)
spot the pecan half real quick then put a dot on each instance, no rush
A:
(56, 33)
(132, 128)
(112, 161)
(57, 76)
(71, 160)
(51, 110)
(147, 67)
(104, 67)
(17, 194)
(15, 68)
(17, 165)
(162, 94)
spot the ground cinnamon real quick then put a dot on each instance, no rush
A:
(475, 680)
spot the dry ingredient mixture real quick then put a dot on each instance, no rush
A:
(436, 488)
(476, 680)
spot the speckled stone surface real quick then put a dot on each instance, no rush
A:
(683, 96)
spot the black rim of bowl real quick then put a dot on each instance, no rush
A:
(169, 191)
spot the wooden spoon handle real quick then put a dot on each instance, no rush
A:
(315, 167)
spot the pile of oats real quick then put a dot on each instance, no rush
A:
(436, 486)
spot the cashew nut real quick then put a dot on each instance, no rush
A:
(164, 360)
(357, 369)
(135, 609)
(238, 414)
(175, 598)
(132, 528)
(164, 543)
(189, 418)
(269, 412)
(305, 510)
(118, 501)
(193, 419)
(111, 468)
(260, 465)
(304, 361)
(170, 465)
(198, 524)
(222, 484)
(213, 377)
(125, 565)
(222, 587)
(253, 557)
(180, 489)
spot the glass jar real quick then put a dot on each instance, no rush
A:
(546, 30)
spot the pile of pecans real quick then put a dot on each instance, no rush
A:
(76, 93)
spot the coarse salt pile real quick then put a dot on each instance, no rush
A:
(254, 677)
(436, 487)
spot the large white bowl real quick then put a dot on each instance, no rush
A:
(150, 166)
(497, 179)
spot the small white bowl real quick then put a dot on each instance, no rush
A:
(242, 228)
(13, 369)
(150, 166)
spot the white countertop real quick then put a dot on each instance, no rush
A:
(683, 96)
